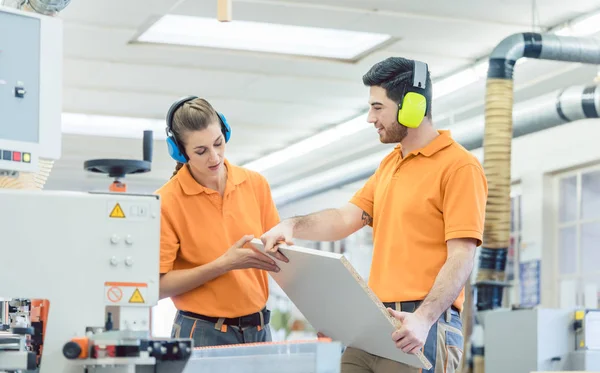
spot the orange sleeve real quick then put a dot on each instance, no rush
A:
(465, 198)
(169, 242)
(270, 215)
(364, 197)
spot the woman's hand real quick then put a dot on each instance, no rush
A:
(239, 257)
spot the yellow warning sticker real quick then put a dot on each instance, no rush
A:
(136, 297)
(117, 212)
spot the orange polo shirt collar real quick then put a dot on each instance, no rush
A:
(442, 141)
(191, 187)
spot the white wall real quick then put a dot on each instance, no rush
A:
(535, 158)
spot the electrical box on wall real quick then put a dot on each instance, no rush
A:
(30, 89)
(587, 329)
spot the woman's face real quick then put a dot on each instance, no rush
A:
(206, 150)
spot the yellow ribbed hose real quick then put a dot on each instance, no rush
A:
(29, 180)
(497, 143)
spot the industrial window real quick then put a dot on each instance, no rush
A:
(578, 237)
(511, 296)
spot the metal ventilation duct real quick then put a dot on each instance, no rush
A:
(48, 7)
(497, 143)
(546, 111)
(543, 112)
(498, 133)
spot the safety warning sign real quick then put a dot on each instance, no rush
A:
(114, 294)
(117, 212)
(136, 297)
(125, 293)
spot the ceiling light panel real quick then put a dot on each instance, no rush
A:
(262, 37)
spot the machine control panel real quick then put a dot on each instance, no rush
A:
(31, 62)
(15, 156)
(19, 90)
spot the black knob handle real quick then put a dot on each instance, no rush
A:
(72, 350)
(148, 144)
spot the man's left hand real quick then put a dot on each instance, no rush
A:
(412, 335)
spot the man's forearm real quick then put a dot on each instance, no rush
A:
(447, 286)
(325, 225)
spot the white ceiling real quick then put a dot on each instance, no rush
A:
(273, 101)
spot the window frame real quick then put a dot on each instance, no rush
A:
(578, 276)
(513, 292)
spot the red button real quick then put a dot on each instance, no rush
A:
(17, 156)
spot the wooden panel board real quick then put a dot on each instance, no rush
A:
(337, 302)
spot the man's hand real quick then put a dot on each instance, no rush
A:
(281, 233)
(412, 335)
(238, 257)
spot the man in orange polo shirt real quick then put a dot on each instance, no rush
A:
(426, 204)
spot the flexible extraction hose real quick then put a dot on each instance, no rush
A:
(49, 7)
(497, 143)
(29, 180)
(46, 7)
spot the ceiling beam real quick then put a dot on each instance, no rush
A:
(374, 11)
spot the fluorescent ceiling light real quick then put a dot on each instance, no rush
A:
(284, 193)
(262, 37)
(454, 82)
(305, 146)
(101, 125)
(584, 26)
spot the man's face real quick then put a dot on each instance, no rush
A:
(383, 114)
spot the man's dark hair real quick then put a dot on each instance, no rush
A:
(395, 75)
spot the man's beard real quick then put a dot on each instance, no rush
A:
(394, 134)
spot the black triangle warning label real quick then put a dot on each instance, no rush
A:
(117, 212)
(136, 297)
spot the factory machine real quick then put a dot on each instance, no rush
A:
(541, 339)
(79, 272)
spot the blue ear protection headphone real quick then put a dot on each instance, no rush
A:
(175, 150)
(413, 106)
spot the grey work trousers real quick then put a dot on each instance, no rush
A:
(205, 333)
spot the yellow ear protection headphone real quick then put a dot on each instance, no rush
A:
(413, 106)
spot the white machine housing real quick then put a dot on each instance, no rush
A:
(72, 253)
(31, 60)
(530, 340)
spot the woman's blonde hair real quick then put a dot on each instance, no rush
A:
(194, 115)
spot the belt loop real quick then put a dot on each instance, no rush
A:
(398, 307)
(448, 315)
(262, 320)
(219, 324)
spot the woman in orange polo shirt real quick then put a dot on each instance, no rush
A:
(210, 210)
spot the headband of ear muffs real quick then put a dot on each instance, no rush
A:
(413, 106)
(175, 150)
